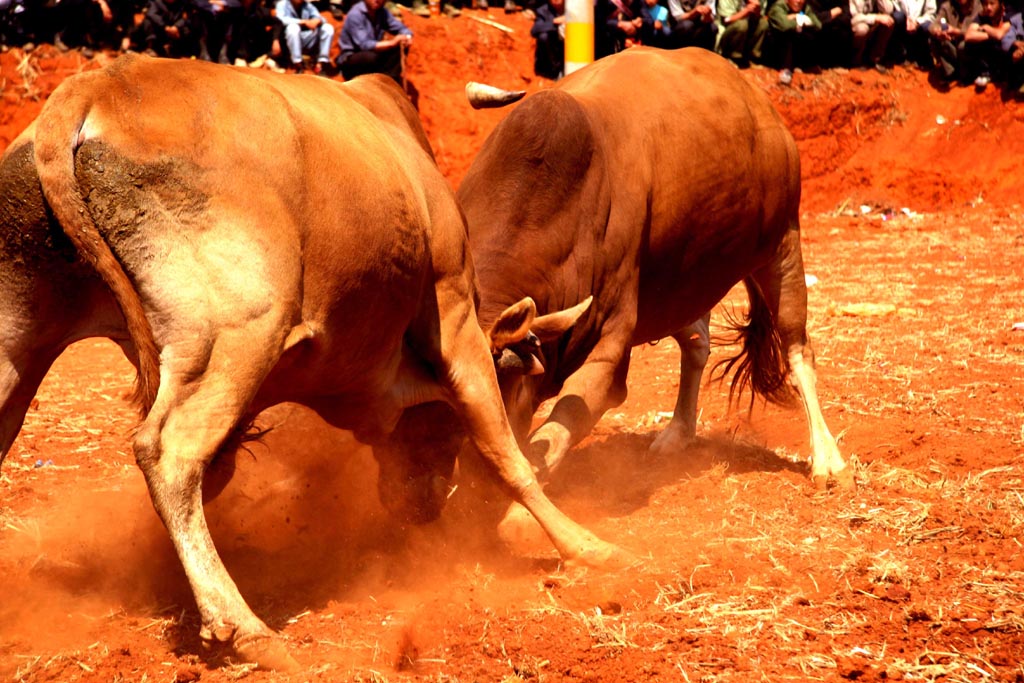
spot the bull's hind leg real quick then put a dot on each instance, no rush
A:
(694, 347)
(205, 389)
(784, 289)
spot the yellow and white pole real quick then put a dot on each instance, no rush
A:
(579, 34)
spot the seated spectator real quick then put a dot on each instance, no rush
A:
(92, 23)
(621, 23)
(910, 36)
(305, 31)
(166, 30)
(1014, 44)
(13, 28)
(255, 33)
(213, 20)
(549, 32)
(654, 29)
(693, 23)
(952, 20)
(372, 41)
(833, 43)
(742, 30)
(984, 52)
(791, 29)
(872, 23)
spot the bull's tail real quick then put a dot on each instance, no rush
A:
(761, 364)
(59, 133)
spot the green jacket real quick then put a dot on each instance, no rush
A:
(779, 18)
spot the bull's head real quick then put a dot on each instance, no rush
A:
(516, 340)
(518, 333)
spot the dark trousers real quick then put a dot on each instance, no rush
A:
(792, 48)
(388, 62)
(549, 55)
(690, 33)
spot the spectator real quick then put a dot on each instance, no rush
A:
(792, 29)
(549, 32)
(622, 23)
(952, 20)
(213, 19)
(693, 23)
(13, 27)
(92, 23)
(1014, 44)
(872, 23)
(306, 31)
(834, 42)
(372, 41)
(910, 36)
(743, 28)
(166, 30)
(654, 29)
(985, 53)
(255, 33)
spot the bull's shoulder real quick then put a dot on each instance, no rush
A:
(389, 104)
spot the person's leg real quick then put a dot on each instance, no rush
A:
(755, 40)
(388, 63)
(733, 39)
(860, 41)
(324, 35)
(879, 41)
(546, 61)
(293, 39)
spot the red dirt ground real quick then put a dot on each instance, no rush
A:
(913, 229)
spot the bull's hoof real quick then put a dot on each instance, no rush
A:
(597, 554)
(266, 651)
(843, 480)
(518, 528)
(670, 443)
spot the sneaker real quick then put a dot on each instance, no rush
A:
(481, 4)
(982, 81)
(420, 9)
(451, 11)
(881, 68)
(511, 6)
(785, 77)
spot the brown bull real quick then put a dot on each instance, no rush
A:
(652, 181)
(250, 239)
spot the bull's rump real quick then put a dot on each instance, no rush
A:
(665, 166)
(227, 193)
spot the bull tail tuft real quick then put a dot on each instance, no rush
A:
(56, 139)
(761, 365)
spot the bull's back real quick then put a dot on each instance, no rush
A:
(279, 191)
(713, 159)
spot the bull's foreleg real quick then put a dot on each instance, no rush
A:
(695, 347)
(784, 289)
(199, 403)
(474, 393)
(598, 386)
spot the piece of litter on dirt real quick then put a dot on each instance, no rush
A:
(865, 209)
(810, 280)
(866, 309)
(40, 463)
(940, 119)
(1018, 327)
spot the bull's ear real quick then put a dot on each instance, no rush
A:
(512, 325)
(553, 325)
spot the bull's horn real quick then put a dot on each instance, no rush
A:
(483, 96)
